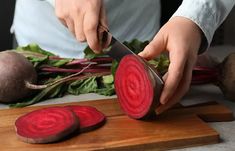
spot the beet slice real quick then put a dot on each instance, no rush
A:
(137, 88)
(46, 125)
(90, 118)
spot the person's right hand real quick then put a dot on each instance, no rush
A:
(82, 17)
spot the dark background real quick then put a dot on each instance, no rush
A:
(7, 13)
(6, 17)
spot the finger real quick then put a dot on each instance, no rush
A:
(80, 36)
(154, 48)
(103, 17)
(63, 22)
(91, 20)
(175, 73)
(181, 90)
(164, 77)
(103, 27)
(70, 25)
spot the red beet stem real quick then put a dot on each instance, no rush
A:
(55, 58)
(100, 60)
(32, 86)
(204, 75)
(206, 69)
(90, 118)
(55, 69)
(78, 61)
(46, 125)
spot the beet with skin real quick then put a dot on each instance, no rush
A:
(221, 74)
(227, 77)
(15, 72)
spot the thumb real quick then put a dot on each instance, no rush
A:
(154, 48)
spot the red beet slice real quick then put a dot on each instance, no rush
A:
(46, 125)
(90, 118)
(137, 88)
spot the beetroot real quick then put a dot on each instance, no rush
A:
(15, 73)
(221, 74)
(90, 118)
(137, 88)
(55, 123)
(227, 77)
(46, 125)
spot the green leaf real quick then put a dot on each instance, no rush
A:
(55, 92)
(58, 63)
(106, 85)
(136, 46)
(107, 91)
(35, 48)
(108, 79)
(83, 86)
(36, 61)
(89, 54)
(114, 67)
(161, 63)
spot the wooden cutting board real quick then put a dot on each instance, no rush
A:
(177, 128)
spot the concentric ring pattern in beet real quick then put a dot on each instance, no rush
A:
(90, 118)
(46, 125)
(135, 87)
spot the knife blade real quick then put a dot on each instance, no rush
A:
(113, 47)
(117, 50)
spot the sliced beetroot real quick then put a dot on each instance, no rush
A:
(90, 118)
(136, 87)
(46, 125)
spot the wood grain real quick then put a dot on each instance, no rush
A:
(177, 128)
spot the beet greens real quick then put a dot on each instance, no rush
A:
(98, 78)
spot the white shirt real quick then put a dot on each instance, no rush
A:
(207, 14)
(35, 22)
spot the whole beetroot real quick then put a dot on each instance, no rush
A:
(221, 74)
(15, 72)
(227, 77)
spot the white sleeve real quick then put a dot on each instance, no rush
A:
(207, 14)
(52, 2)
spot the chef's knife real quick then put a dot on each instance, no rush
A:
(117, 50)
(113, 47)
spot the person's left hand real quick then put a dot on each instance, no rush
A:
(181, 38)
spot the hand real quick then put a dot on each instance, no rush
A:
(82, 18)
(181, 38)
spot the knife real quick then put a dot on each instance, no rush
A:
(112, 47)
(115, 49)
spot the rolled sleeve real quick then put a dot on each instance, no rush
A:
(207, 14)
